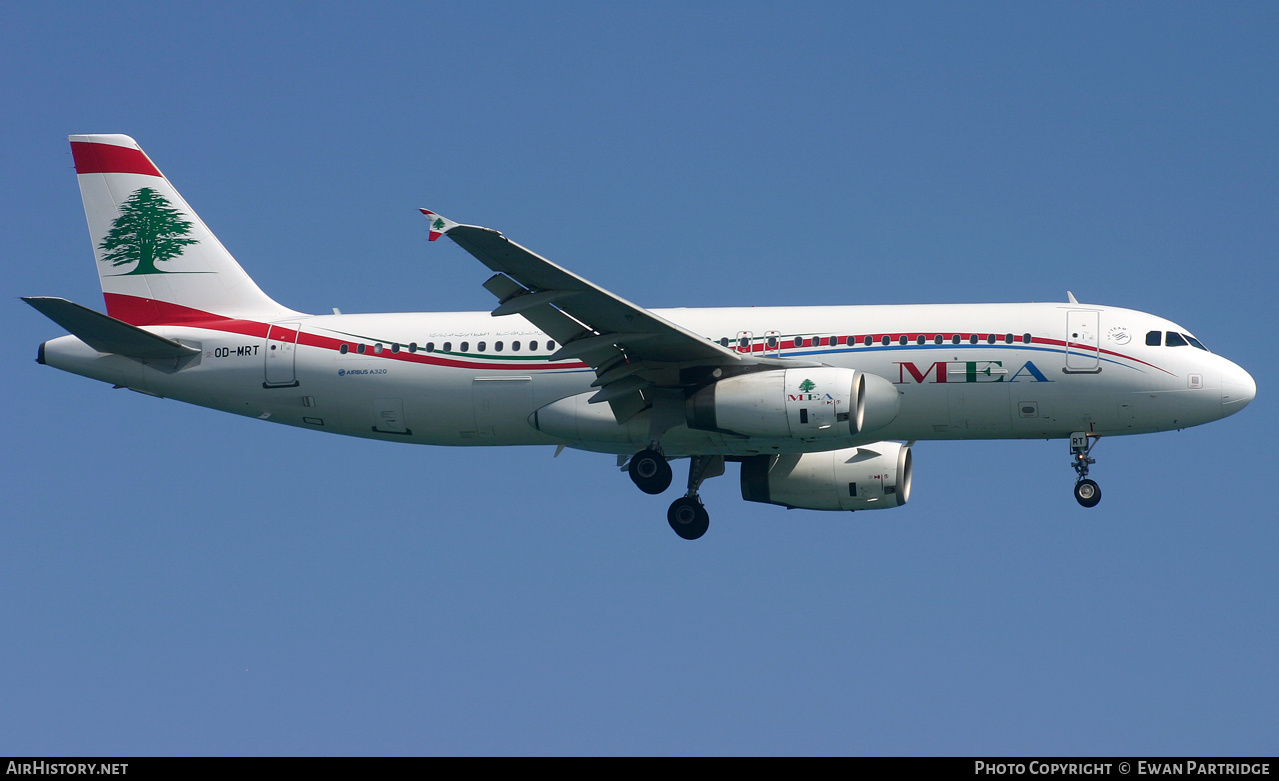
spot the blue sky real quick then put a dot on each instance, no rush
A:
(180, 581)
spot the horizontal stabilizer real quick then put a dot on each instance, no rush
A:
(106, 334)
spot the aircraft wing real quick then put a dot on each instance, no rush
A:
(632, 350)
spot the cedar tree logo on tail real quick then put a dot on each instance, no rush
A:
(148, 230)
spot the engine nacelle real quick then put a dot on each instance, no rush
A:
(869, 477)
(795, 403)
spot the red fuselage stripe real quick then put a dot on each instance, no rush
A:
(146, 311)
(149, 312)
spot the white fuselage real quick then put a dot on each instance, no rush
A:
(973, 371)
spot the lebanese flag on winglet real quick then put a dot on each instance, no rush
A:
(110, 154)
(439, 225)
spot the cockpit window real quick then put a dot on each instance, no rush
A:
(1196, 343)
(1174, 339)
(1154, 338)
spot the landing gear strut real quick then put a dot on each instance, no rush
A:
(649, 471)
(687, 516)
(1087, 492)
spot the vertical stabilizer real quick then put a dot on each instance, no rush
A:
(157, 261)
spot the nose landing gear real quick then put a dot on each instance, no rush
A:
(1087, 492)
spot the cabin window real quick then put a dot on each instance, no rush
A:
(723, 342)
(395, 348)
(465, 346)
(1173, 339)
(344, 349)
(937, 339)
(972, 339)
(772, 342)
(866, 341)
(884, 340)
(799, 341)
(412, 347)
(990, 338)
(360, 349)
(919, 339)
(448, 347)
(497, 347)
(377, 349)
(1008, 338)
(901, 339)
(1025, 338)
(532, 346)
(480, 347)
(515, 346)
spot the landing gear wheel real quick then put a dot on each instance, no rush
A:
(650, 472)
(688, 517)
(1087, 493)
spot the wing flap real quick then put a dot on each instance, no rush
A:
(550, 320)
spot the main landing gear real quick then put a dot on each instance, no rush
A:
(688, 517)
(650, 471)
(1087, 492)
(652, 474)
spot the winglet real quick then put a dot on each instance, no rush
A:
(439, 225)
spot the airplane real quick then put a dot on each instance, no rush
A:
(820, 406)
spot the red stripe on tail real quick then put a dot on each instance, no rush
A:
(91, 158)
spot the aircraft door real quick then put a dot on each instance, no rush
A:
(281, 351)
(773, 344)
(744, 339)
(1082, 341)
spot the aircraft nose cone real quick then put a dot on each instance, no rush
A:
(1237, 389)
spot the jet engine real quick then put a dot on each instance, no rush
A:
(801, 403)
(870, 477)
